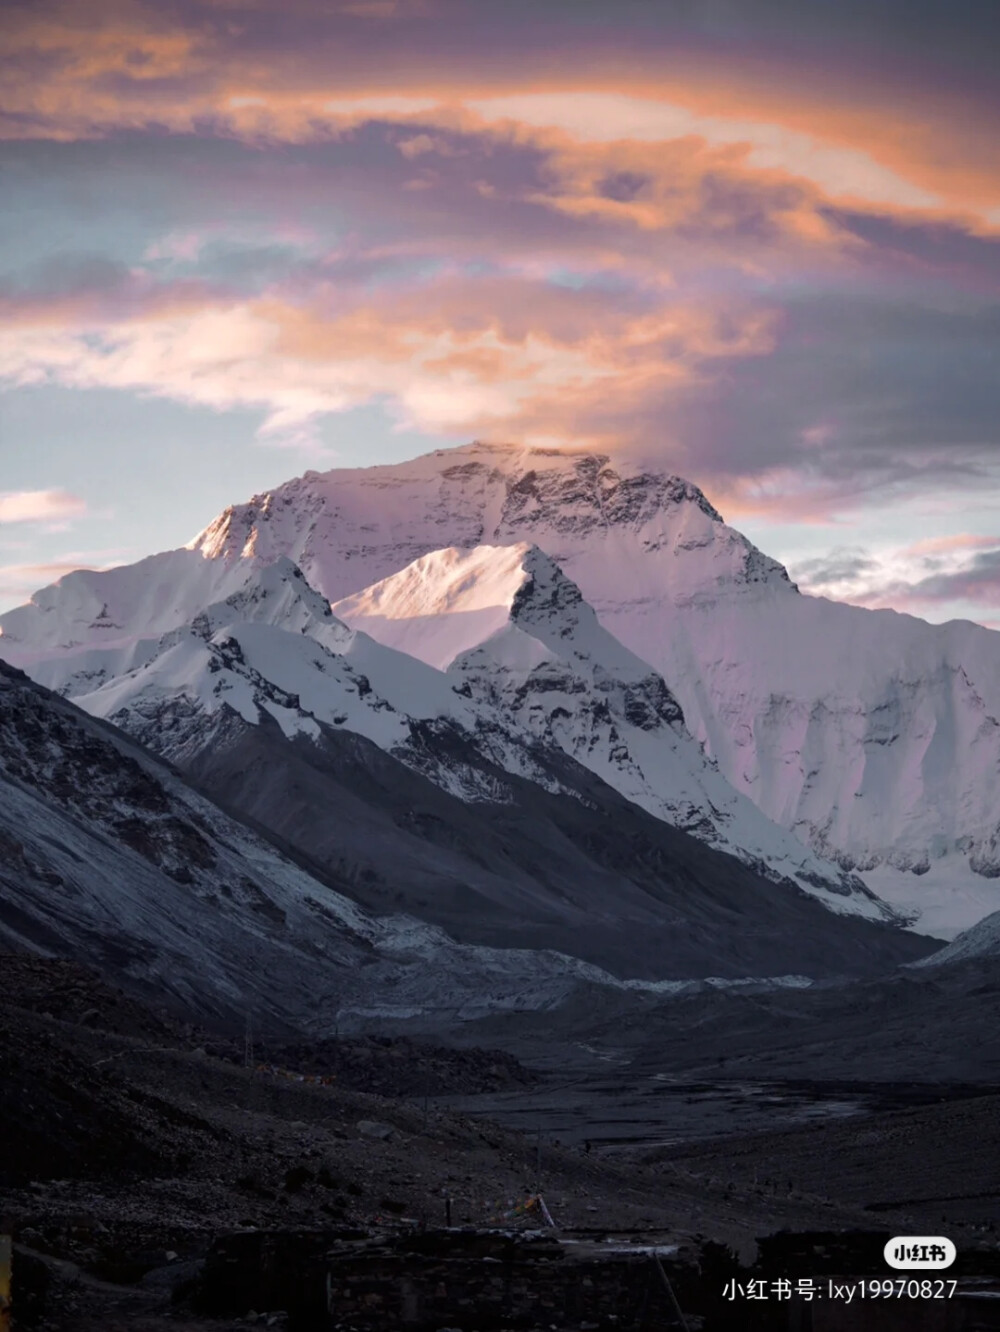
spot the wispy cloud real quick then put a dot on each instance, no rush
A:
(961, 570)
(19, 581)
(39, 506)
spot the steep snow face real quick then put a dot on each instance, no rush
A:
(350, 528)
(443, 603)
(517, 636)
(872, 735)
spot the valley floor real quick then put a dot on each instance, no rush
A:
(133, 1144)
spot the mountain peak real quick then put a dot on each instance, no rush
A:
(349, 528)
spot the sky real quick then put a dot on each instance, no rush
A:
(754, 241)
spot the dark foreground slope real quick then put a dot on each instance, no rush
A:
(110, 855)
(107, 855)
(588, 874)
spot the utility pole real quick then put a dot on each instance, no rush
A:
(679, 1319)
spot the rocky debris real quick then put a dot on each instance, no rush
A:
(127, 1153)
(399, 1066)
(59, 1116)
(135, 1157)
(133, 1154)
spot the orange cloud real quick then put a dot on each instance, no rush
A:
(868, 137)
(709, 193)
(456, 356)
(929, 138)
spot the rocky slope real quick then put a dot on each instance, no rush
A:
(979, 945)
(109, 856)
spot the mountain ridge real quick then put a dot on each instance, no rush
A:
(113, 857)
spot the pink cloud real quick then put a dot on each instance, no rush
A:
(858, 130)
(39, 506)
(946, 544)
(178, 245)
(665, 184)
(20, 581)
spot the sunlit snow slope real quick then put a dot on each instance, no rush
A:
(271, 647)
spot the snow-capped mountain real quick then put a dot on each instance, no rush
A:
(515, 635)
(870, 734)
(273, 646)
